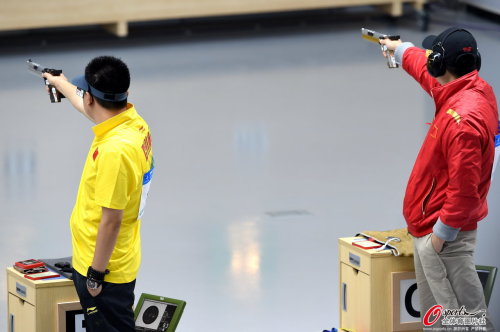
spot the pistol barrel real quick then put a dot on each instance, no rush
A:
(374, 36)
(35, 68)
(371, 35)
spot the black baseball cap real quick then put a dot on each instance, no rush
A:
(455, 41)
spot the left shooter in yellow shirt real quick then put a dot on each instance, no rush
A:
(106, 219)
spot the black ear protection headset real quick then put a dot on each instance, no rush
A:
(435, 61)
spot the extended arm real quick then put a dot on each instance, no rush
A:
(69, 91)
(413, 60)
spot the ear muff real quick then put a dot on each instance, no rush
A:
(435, 61)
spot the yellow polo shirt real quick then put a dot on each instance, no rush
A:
(117, 175)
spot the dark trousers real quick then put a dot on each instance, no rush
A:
(111, 310)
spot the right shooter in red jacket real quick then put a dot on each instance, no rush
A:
(446, 192)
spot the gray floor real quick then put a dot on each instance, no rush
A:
(269, 147)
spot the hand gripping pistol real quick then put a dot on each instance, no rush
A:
(375, 37)
(38, 70)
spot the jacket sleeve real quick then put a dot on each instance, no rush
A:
(462, 148)
(414, 62)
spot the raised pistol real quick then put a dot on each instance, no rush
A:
(374, 36)
(38, 70)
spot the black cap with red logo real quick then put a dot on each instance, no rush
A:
(452, 43)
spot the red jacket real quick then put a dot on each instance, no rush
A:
(452, 173)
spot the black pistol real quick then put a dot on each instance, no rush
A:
(38, 70)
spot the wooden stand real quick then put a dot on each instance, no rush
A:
(32, 304)
(366, 294)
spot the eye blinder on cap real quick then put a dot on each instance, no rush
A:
(82, 84)
(107, 96)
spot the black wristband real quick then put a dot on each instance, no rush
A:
(96, 275)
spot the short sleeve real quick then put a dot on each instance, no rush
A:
(112, 180)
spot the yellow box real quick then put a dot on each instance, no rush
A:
(32, 304)
(365, 283)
